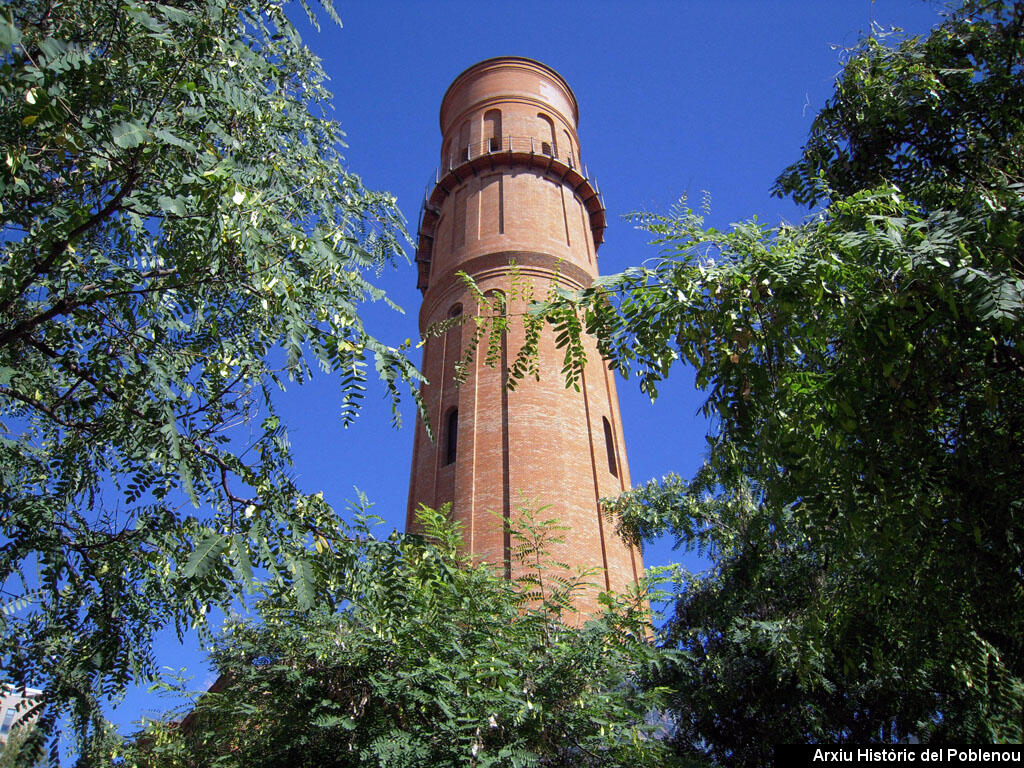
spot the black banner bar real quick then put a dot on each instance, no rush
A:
(799, 755)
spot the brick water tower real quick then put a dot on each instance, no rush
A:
(511, 190)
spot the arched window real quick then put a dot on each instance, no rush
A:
(462, 150)
(492, 129)
(567, 149)
(547, 144)
(451, 437)
(609, 444)
(496, 298)
(454, 312)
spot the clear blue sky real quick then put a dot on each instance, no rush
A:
(675, 98)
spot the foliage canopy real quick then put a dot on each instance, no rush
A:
(863, 497)
(179, 238)
(427, 659)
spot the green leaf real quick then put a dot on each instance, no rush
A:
(243, 564)
(175, 15)
(302, 582)
(174, 205)
(10, 35)
(335, 721)
(167, 136)
(205, 555)
(129, 134)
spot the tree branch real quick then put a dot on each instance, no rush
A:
(70, 302)
(44, 408)
(58, 246)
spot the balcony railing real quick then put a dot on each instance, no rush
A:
(510, 149)
(463, 162)
(512, 144)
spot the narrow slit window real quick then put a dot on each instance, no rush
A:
(463, 148)
(492, 129)
(609, 444)
(454, 313)
(451, 442)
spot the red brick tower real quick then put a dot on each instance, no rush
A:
(511, 188)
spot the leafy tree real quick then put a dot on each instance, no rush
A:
(9, 752)
(863, 498)
(429, 660)
(179, 235)
(939, 117)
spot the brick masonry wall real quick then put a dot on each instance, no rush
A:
(542, 444)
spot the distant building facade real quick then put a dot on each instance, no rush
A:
(15, 705)
(512, 189)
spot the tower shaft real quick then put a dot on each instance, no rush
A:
(513, 207)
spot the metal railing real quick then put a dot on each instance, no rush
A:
(522, 144)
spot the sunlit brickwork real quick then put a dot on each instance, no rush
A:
(511, 188)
